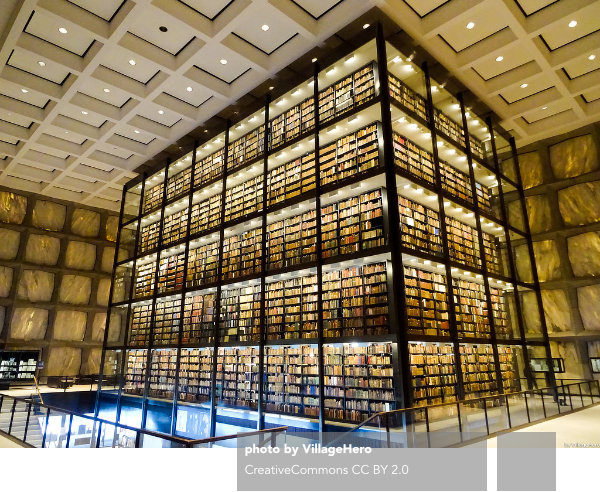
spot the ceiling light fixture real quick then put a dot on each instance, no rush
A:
(366, 26)
(163, 29)
(84, 112)
(24, 91)
(544, 108)
(223, 61)
(499, 58)
(265, 27)
(524, 85)
(271, 88)
(573, 23)
(62, 30)
(43, 64)
(592, 57)
(314, 60)
(470, 25)
(160, 111)
(136, 131)
(189, 89)
(107, 90)
(132, 62)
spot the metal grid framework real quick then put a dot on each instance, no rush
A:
(63, 135)
(394, 246)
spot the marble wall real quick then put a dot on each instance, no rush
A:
(561, 178)
(56, 259)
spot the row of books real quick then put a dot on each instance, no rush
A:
(433, 371)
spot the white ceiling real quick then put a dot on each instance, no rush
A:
(89, 118)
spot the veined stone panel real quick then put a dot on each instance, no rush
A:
(531, 315)
(75, 289)
(103, 292)
(85, 223)
(91, 361)
(515, 215)
(580, 204)
(36, 286)
(572, 359)
(557, 311)
(112, 226)
(523, 263)
(547, 260)
(114, 327)
(531, 169)
(28, 323)
(9, 243)
(98, 327)
(574, 157)
(70, 325)
(588, 298)
(63, 361)
(6, 277)
(42, 250)
(80, 256)
(48, 215)
(539, 213)
(584, 254)
(13, 208)
(108, 256)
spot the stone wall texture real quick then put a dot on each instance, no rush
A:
(56, 260)
(561, 178)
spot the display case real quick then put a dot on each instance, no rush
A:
(286, 263)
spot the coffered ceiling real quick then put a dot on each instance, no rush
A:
(90, 89)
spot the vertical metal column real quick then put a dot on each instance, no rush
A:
(398, 316)
(217, 316)
(183, 291)
(444, 234)
(263, 271)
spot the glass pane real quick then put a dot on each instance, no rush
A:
(131, 207)
(127, 241)
(19, 419)
(82, 433)
(57, 430)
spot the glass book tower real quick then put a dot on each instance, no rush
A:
(344, 250)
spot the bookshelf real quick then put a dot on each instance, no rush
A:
(199, 319)
(195, 374)
(291, 379)
(163, 368)
(426, 303)
(478, 369)
(420, 227)
(357, 380)
(18, 366)
(237, 376)
(433, 372)
(246, 293)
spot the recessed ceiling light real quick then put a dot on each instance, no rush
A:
(499, 58)
(223, 61)
(84, 112)
(189, 89)
(132, 62)
(314, 60)
(160, 111)
(573, 23)
(592, 57)
(470, 25)
(42, 63)
(366, 26)
(265, 27)
(271, 88)
(136, 131)
(544, 108)
(62, 30)
(107, 90)
(162, 29)
(24, 91)
(524, 85)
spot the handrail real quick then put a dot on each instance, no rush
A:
(385, 415)
(182, 441)
(38, 389)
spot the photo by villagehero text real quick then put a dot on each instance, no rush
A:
(307, 449)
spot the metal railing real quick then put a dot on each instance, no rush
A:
(460, 422)
(46, 426)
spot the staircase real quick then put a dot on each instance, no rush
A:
(25, 420)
